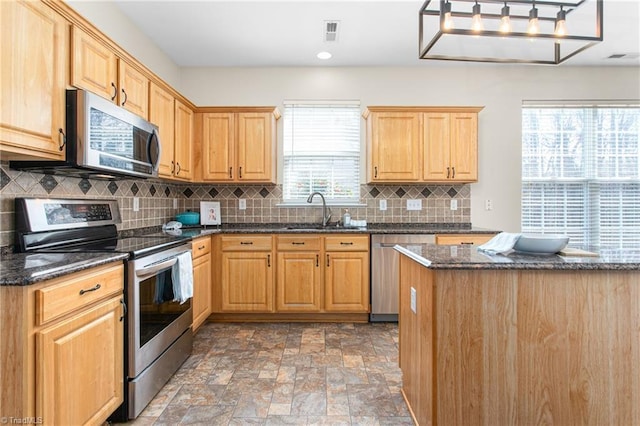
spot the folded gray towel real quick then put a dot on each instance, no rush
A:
(501, 243)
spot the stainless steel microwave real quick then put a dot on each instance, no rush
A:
(103, 141)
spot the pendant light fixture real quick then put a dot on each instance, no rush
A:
(534, 25)
(476, 19)
(500, 30)
(561, 23)
(505, 20)
(447, 22)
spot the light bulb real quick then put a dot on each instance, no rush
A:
(505, 21)
(448, 21)
(534, 26)
(476, 19)
(561, 23)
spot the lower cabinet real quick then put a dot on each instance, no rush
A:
(62, 349)
(246, 273)
(79, 370)
(201, 253)
(310, 274)
(299, 274)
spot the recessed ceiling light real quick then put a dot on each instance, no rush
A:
(324, 55)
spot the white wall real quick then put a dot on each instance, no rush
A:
(500, 89)
(106, 16)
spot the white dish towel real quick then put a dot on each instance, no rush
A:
(182, 277)
(501, 243)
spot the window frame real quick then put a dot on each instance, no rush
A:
(348, 202)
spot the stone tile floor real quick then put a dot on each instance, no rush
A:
(276, 374)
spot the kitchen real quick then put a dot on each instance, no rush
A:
(500, 89)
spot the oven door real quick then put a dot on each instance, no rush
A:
(155, 320)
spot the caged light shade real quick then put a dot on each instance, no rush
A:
(511, 31)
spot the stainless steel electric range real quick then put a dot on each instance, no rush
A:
(158, 335)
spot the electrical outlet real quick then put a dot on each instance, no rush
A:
(414, 204)
(242, 204)
(454, 204)
(488, 204)
(383, 205)
(414, 300)
(136, 204)
(175, 203)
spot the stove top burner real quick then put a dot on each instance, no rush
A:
(135, 246)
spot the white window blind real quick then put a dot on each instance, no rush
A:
(581, 173)
(321, 151)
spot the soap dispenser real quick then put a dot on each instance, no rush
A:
(346, 218)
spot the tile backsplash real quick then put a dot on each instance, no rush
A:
(264, 202)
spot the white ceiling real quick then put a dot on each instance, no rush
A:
(239, 33)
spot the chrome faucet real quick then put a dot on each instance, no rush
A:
(325, 215)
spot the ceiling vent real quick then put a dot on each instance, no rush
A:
(331, 31)
(624, 56)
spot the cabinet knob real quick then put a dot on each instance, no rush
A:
(230, 172)
(317, 260)
(453, 172)
(268, 261)
(178, 168)
(375, 172)
(125, 97)
(115, 91)
(240, 172)
(448, 172)
(327, 260)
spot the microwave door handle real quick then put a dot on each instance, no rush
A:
(154, 141)
(152, 270)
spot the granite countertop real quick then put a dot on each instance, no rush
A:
(28, 268)
(468, 257)
(310, 228)
(25, 269)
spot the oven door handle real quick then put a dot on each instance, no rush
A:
(153, 269)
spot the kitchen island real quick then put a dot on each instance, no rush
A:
(519, 339)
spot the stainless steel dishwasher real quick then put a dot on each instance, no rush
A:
(385, 272)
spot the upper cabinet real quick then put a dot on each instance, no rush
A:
(450, 147)
(162, 114)
(34, 78)
(238, 144)
(97, 68)
(182, 144)
(422, 144)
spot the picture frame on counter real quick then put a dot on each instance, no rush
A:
(210, 213)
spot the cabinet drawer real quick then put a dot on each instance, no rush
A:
(246, 243)
(78, 290)
(200, 247)
(457, 239)
(297, 243)
(346, 243)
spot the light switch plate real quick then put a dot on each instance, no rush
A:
(242, 204)
(414, 204)
(136, 204)
(175, 203)
(383, 205)
(414, 300)
(454, 204)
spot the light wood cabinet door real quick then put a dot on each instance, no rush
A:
(395, 151)
(133, 93)
(34, 77)
(450, 147)
(255, 142)
(201, 290)
(347, 281)
(218, 147)
(299, 282)
(464, 147)
(79, 366)
(247, 282)
(436, 162)
(94, 66)
(183, 141)
(162, 114)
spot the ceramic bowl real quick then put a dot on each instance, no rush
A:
(541, 243)
(188, 218)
